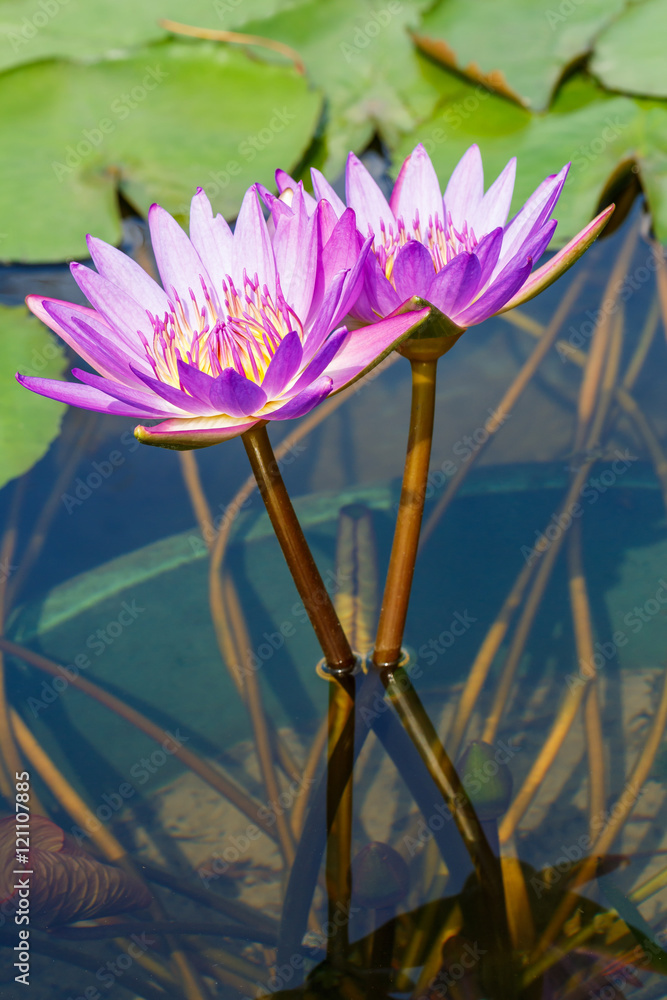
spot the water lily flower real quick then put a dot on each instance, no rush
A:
(246, 328)
(456, 251)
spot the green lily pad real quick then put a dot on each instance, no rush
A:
(362, 57)
(158, 124)
(521, 47)
(630, 53)
(594, 130)
(28, 423)
(32, 30)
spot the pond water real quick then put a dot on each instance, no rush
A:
(116, 587)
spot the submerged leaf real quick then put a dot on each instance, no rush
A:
(66, 883)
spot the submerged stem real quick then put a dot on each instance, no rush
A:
(309, 583)
(339, 821)
(408, 523)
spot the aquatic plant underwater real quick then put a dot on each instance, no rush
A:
(271, 322)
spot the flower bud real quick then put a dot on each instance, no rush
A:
(380, 876)
(487, 781)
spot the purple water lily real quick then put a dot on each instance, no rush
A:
(245, 329)
(455, 251)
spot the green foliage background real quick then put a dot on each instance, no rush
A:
(98, 99)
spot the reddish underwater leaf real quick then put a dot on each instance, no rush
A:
(66, 883)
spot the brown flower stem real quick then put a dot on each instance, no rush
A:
(223, 784)
(339, 821)
(408, 522)
(105, 840)
(418, 725)
(306, 576)
(232, 623)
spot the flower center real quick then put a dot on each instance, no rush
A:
(443, 241)
(240, 330)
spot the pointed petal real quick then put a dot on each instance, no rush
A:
(142, 401)
(61, 317)
(532, 216)
(121, 270)
(381, 294)
(283, 366)
(324, 191)
(212, 239)
(413, 270)
(307, 400)
(494, 207)
(196, 382)
(352, 285)
(178, 399)
(322, 359)
(454, 286)
(286, 183)
(235, 395)
(363, 349)
(184, 433)
(560, 262)
(487, 253)
(75, 394)
(118, 309)
(323, 323)
(342, 249)
(417, 192)
(109, 357)
(295, 246)
(366, 198)
(495, 297)
(252, 246)
(181, 268)
(465, 189)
